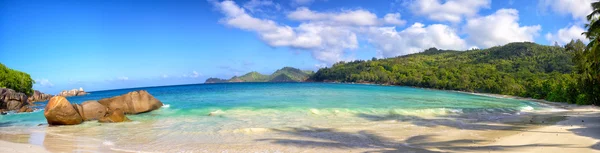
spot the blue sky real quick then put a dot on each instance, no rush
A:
(110, 44)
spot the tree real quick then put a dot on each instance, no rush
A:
(589, 62)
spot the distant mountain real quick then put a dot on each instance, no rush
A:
(215, 80)
(286, 74)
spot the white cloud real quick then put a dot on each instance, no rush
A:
(449, 10)
(326, 43)
(413, 39)
(356, 17)
(499, 28)
(165, 76)
(565, 35)
(123, 78)
(257, 5)
(44, 82)
(348, 17)
(578, 9)
(193, 74)
(393, 19)
(328, 36)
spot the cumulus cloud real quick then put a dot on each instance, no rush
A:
(413, 39)
(44, 82)
(348, 17)
(326, 35)
(325, 42)
(578, 9)
(499, 28)
(565, 35)
(330, 36)
(448, 10)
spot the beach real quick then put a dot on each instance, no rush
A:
(317, 117)
(573, 130)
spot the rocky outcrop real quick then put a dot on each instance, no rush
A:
(134, 102)
(38, 96)
(59, 111)
(92, 110)
(114, 116)
(73, 92)
(10, 100)
(109, 110)
(25, 109)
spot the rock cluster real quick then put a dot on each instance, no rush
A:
(72, 92)
(10, 100)
(38, 96)
(109, 110)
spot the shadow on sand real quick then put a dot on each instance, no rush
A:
(313, 137)
(331, 138)
(589, 128)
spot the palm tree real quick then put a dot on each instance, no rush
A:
(591, 68)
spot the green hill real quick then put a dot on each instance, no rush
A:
(520, 69)
(286, 74)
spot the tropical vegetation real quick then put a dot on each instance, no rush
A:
(16, 80)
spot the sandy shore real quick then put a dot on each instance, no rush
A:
(12, 147)
(574, 129)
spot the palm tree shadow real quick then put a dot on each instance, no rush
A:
(311, 137)
(589, 128)
(464, 122)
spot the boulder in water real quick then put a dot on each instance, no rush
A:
(92, 110)
(134, 102)
(114, 116)
(25, 109)
(59, 111)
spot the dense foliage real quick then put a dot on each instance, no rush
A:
(520, 69)
(16, 80)
(589, 60)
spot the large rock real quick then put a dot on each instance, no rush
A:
(72, 92)
(114, 116)
(25, 109)
(12, 100)
(38, 96)
(59, 111)
(134, 102)
(91, 110)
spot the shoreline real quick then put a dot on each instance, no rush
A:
(573, 130)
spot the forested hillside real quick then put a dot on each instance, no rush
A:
(520, 69)
(286, 74)
(16, 80)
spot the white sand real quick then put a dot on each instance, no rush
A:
(10, 147)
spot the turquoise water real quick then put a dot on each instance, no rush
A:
(206, 112)
(205, 98)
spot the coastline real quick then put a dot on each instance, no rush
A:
(570, 129)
